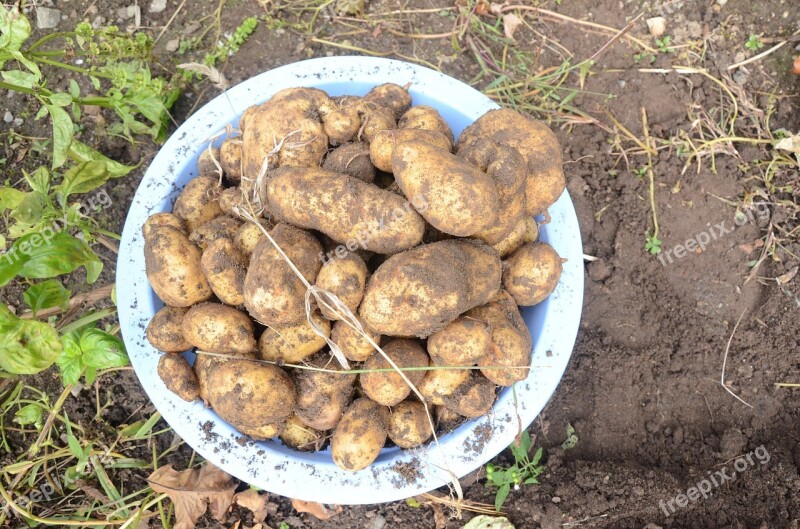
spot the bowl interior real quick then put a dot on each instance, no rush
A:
(396, 474)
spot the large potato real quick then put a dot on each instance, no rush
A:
(389, 387)
(409, 424)
(346, 278)
(223, 227)
(225, 267)
(439, 383)
(273, 294)
(178, 376)
(217, 328)
(418, 292)
(457, 197)
(535, 142)
(532, 273)
(164, 330)
(301, 437)
(423, 117)
(198, 203)
(353, 160)
(392, 96)
(158, 220)
(230, 158)
(322, 396)
(344, 208)
(203, 364)
(473, 398)
(462, 343)
(360, 435)
(172, 265)
(293, 343)
(382, 146)
(353, 344)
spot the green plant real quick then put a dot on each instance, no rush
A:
(226, 48)
(754, 43)
(664, 43)
(524, 471)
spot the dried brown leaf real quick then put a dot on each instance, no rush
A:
(317, 510)
(788, 276)
(193, 491)
(510, 24)
(255, 502)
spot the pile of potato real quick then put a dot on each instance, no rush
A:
(431, 244)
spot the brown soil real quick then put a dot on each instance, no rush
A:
(643, 387)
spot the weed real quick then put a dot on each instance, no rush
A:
(524, 471)
(754, 43)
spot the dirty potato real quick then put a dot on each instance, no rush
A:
(532, 273)
(177, 375)
(172, 265)
(409, 425)
(224, 227)
(439, 383)
(353, 344)
(388, 387)
(217, 328)
(293, 343)
(391, 96)
(346, 279)
(164, 330)
(461, 343)
(360, 435)
(473, 398)
(384, 143)
(352, 159)
(513, 240)
(249, 235)
(301, 437)
(206, 162)
(198, 203)
(230, 158)
(423, 117)
(322, 396)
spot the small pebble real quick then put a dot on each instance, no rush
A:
(657, 26)
(722, 2)
(8, 117)
(18, 122)
(173, 45)
(47, 18)
(556, 499)
(157, 6)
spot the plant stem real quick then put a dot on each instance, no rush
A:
(24, 89)
(73, 68)
(50, 37)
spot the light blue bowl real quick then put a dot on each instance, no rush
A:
(396, 474)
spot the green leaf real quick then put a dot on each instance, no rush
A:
(30, 414)
(10, 198)
(502, 494)
(489, 522)
(537, 457)
(39, 180)
(74, 446)
(14, 29)
(29, 210)
(50, 293)
(20, 78)
(27, 346)
(572, 439)
(80, 152)
(60, 99)
(46, 255)
(83, 178)
(74, 89)
(70, 361)
(531, 481)
(63, 131)
(102, 350)
(29, 64)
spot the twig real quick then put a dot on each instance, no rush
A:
(93, 296)
(616, 37)
(169, 22)
(760, 56)
(725, 362)
(108, 244)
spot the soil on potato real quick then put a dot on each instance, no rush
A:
(643, 387)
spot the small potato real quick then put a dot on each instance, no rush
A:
(205, 162)
(388, 387)
(382, 146)
(375, 118)
(230, 199)
(262, 433)
(353, 160)
(439, 383)
(273, 294)
(178, 376)
(225, 267)
(446, 420)
(198, 203)
(293, 343)
(158, 220)
(392, 96)
(203, 364)
(172, 265)
(360, 435)
(342, 124)
(531, 230)
(230, 158)
(409, 425)
(249, 235)
(532, 273)
(164, 330)
(224, 227)
(513, 240)
(462, 343)
(301, 437)
(473, 398)
(346, 278)
(354, 346)
(423, 117)
(322, 396)
(217, 328)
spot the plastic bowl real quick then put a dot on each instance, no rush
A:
(269, 465)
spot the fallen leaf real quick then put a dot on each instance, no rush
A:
(213, 75)
(439, 518)
(317, 510)
(193, 491)
(377, 31)
(796, 66)
(788, 276)
(495, 9)
(482, 8)
(791, 144)
(510, 24)
(489, 522)
(255, 502)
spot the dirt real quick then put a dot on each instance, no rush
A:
(643, 387)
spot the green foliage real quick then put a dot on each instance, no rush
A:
(50, 293)
(27, 346)
(754, 43)
(572, 439)
(652, 244)
(89, 351)
(524, 471)
(224, 49)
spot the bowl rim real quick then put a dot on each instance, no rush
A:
(269, 465)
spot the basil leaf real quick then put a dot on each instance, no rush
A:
(50, 293)
(70, 362)
(62, 134)
(27, 346)
(102, 350)
(83, 178)
(46, 255)
(14, 29)
(80, 152)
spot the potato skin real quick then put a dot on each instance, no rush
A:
(322, 397)
(225, 267)
(459, 198)
(392, 96)
(158, 220)
(249, 235)
(532, 273)
(344, 208)
(531, 230)
(389, 388)
(423, 117)
(217, 328)
(198, 203)
(273, 294)
(446, 419)
(178, 376)
(205, 162)
(164, 330)
(172, 264)
(408, 424)
(293, 343)
(439, 383)
(360, 435)
(230, 158)
(224, 227)
(230, 200)
(382, 146)
(354, 346)
(513, 240)
(352, 159)
(473, 398)
(461, 343)
(346, 278)
(301, 437)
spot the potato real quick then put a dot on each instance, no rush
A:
(473, 398)
(231, 200)
(158, 220)
(225, 267)
(439, 383)
(416, 293)
(164, 330)
(342, 125)
(446, 419)
(198, 203)
(535, 142)
(531, 230)
(217, 328)
(423, 117)
(382, 146)
(203, 364)
(354, 346)
(249, 235)
(509, 173)
(409, 425)
(512, 241)
(346, 278)
(178, 376)
(293, 343)
(511, 341)
(172, 265)
(374, 119)
(322, 396)
(273, 294)
(230, 158)
(462, 343)
(353, 160)
(205, 162)
(344, 208)
(224, 227)
(301, 437)
(254, 398)
(388, 387)
(392, 96)
(457, 197)
(360, 435)
(532, 273)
